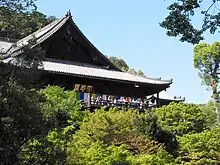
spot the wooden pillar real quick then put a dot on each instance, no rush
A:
(158, 100)
(89, 100)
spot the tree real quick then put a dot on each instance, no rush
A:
(140, 73)
(200, 148)
(132, 71)
(21, 119)
(99, 153)
(179, 21)
(18, 5)
(147, 124)
(210, 114)
(63, 115)
(111, 135)
(159, 158)
(207, 60)
(180, 118)
(62, 107)
(20, 18)
(120, 63)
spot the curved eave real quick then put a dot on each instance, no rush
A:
(173, 100)
(95, 72)
(100, 73)
(182, 99)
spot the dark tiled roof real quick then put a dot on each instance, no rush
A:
(47, 31)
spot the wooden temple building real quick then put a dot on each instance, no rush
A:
(73, 62)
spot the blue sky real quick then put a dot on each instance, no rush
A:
(130, 30)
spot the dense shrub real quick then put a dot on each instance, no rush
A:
(182, 118)
(147, 124)
(21, 119)
(210, 114)
(200, 148)
(61, 107)
(159, 158)
(116, 130)
(62, 112)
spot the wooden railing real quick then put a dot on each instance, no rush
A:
(118, 104)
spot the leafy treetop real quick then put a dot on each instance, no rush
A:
(179, 22)
(181, 118)
(121, 64)
(18, 5)
(19, 18)
(200, 148)
(207, 60)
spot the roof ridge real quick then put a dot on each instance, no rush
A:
(48, 28)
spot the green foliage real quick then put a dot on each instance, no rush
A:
(19, 18)
(120, 63)
(62, 107)
(116, 130)
(200, 148)
(20, 25)
(179, 22)
(21, 117)
(140, 73)
(18, 5)
(46, 150)
(182, 118)
(147, 124)
(100, 154)
(62, 111)
(49, 127)
(20, 120)
(206, 60)
(132, 71)
(110, 127)
(25, 69)
(159, 158)
(210, 114)
(113, 137)
(63, 114)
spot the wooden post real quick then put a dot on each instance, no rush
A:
(158, 100)
(89, 100)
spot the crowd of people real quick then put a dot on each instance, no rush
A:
(122, 101)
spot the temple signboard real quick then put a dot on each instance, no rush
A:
(83, 88)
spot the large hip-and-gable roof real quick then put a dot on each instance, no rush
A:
(109, 73)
